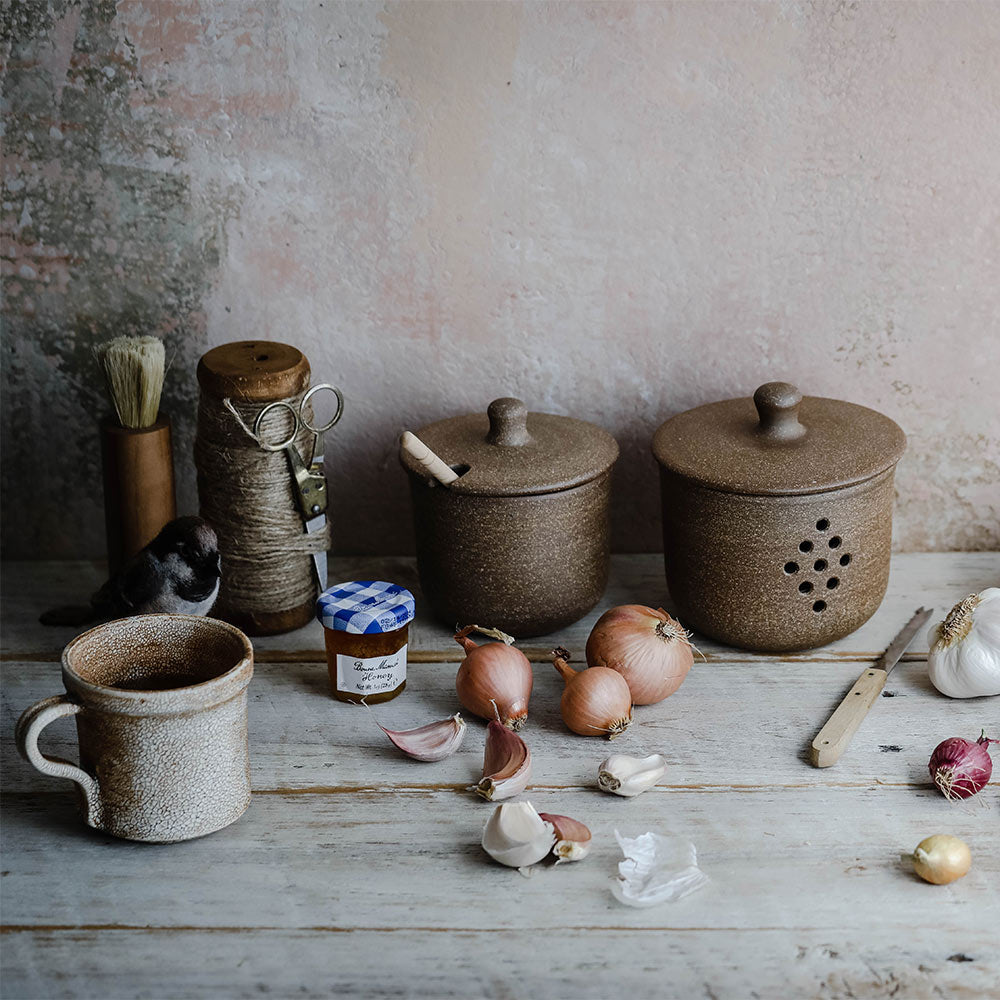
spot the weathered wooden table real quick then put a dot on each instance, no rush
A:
(359, 872)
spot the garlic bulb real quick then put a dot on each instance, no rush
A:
(623, 775)
(964, 658)
(516, 836)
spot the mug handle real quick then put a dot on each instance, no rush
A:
(33, 720)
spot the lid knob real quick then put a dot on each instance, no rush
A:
(508, 422)
(778, 407)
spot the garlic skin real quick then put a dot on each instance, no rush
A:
(516, 836)
(628, 776)
(964, 657)
(431, 742)
(572, 837)
(506, 764)
(656, 869)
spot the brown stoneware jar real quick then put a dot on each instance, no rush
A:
(520, 540)
(777, 516)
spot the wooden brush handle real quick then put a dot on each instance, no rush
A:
(831, 741)
(138, 487)
(427, 460)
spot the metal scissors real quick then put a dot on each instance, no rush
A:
(309, 479)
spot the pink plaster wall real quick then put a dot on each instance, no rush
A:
(615, 211)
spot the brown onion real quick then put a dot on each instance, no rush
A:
(648, 648)
(494, 681)
(595, 701)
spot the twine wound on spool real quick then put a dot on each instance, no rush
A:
(246, 494)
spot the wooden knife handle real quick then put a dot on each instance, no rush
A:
(831, 741)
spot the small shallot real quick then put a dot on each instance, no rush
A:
(431, 742)
(572, 837)
(506, 763)
(647, 647)
(595, 701)
(940, 859)
(960, 768)
(623, 775)
(516, 836)
(494, 678)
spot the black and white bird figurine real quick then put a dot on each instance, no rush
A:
(177, 572)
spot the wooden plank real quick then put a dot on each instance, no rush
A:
(730, 724)
(820, 858)
(863, 960)
(936, 580)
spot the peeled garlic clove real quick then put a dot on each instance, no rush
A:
(515, 835)
(431, 742)
(572, 837)
(506, 763)
(621, 774)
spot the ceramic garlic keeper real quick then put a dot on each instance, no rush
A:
(520, 540)
(777, 516)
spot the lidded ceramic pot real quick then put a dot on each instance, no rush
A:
(777, 516)
(519, 541)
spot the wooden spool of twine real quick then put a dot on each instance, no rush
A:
(246, 492)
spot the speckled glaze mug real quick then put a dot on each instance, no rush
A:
(161, 713)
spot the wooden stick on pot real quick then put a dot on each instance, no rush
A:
(426, 458)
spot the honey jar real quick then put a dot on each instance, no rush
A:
(366, 624)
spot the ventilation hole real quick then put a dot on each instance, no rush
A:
(460, 470)
(261, 357)
(819, 565)
(806, 546)
(845, 558)
(833, 583)
(822, 524)
(835, 542)
(819, 606)
(791, 567)
(805, 587)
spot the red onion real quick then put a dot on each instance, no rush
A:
(960, 768)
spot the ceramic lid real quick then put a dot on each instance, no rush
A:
(508, 451)
(779, 443)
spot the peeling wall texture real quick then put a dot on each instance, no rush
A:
(613, 210)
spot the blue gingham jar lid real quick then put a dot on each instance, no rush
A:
(365, 606)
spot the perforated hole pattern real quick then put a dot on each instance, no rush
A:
(806, 587)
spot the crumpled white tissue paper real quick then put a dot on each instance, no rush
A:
(656, 870)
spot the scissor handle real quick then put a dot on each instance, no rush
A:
(333, 419)
(281, 446)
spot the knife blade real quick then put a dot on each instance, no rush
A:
(832, 740)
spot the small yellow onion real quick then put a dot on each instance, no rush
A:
(941, 859)
(646, 646)
(595, 701)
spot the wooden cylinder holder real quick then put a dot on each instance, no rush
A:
(255, 562)
(138, 486)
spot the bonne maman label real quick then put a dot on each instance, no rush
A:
(371, 675)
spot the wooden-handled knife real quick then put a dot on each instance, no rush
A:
(831, 741)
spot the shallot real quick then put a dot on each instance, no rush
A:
(648, 648)
(595, 701)
(493, 679)
(960, 768)
(940, 859)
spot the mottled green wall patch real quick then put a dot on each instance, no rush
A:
(103, 235)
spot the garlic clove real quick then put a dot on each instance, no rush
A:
(506, 763)
(431, 742)
(516, 836)
(624, 775)
(572, 837)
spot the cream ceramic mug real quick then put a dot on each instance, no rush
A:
(161, 714)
